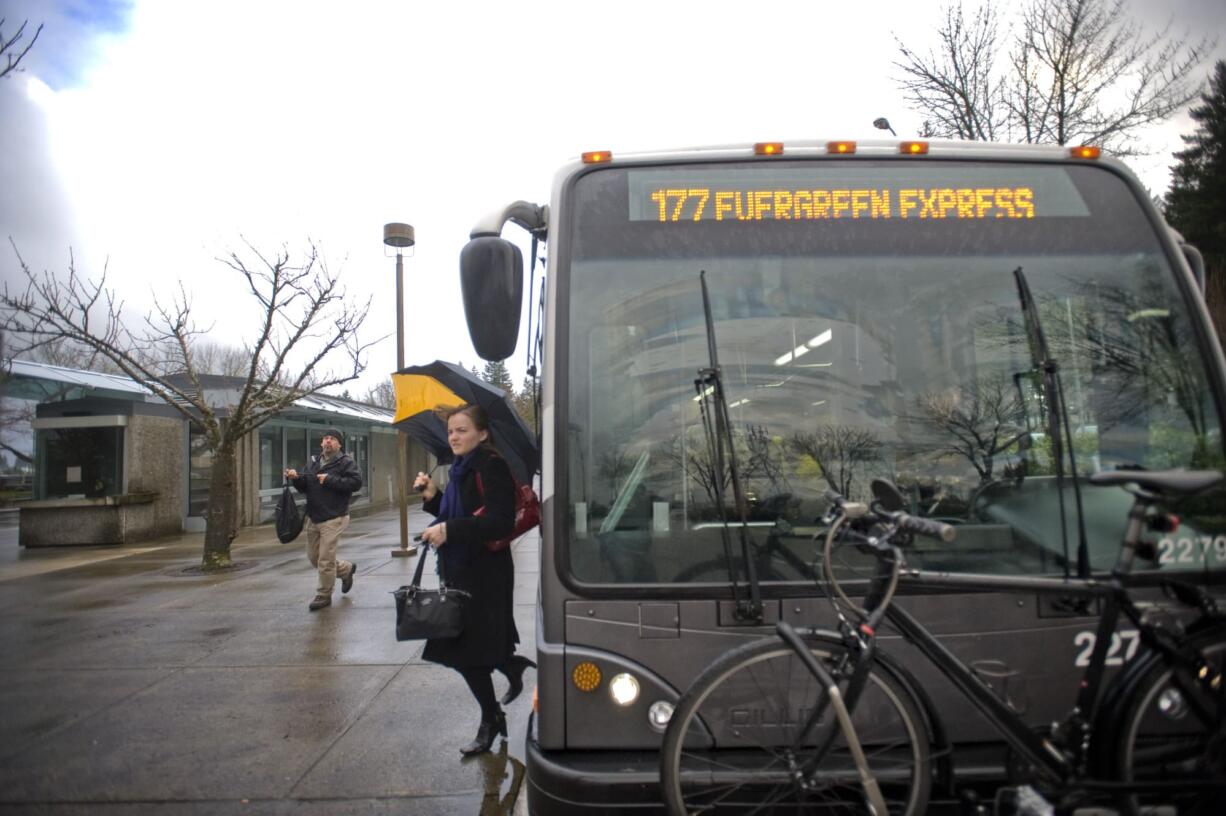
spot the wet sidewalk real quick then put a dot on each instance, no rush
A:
(133, 685)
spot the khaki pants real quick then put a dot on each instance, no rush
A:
(321, 544)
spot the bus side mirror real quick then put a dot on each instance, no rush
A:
(1197, 262)
(492, 283)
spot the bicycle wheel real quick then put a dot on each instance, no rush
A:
(1174, 730)
(735, 742)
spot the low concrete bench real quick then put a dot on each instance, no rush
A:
(78, 522)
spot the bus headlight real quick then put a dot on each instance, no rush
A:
(659, 714)
(624, 688)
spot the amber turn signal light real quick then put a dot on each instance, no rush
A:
(597, 157)
(586, 676)
(1085, 152)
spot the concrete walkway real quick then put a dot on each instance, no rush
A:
(129, 686)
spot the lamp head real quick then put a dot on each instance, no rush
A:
(398, 235)
(881, 123)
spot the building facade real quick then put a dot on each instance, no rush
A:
(116, 464)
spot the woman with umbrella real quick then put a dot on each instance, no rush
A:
(479, 478)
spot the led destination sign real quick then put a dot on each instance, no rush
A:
(808, 205)
(880, 192)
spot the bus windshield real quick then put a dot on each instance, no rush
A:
(869, 326)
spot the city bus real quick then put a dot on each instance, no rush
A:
(867, 320)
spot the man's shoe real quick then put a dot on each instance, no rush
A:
(320, 602)
(347, 581)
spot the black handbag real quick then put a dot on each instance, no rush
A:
(289, 520)
(427, 614)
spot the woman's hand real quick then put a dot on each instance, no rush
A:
(435, 535)
(424, 485)
(290, 473)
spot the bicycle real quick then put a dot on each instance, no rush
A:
(811, 720)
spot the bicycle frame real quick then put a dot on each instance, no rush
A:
(1050, 761)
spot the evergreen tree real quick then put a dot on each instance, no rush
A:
(496, 374)
(1196, 202)
(524, 403)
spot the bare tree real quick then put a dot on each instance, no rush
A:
(67, 353)
(756, 453)
(383, 395)
(764, 458)
(980, 421)
(15, 415)
(615, 464)
(840, 451)
(957, 88)
(1078, 72)
(306, 323)
(12, 51)
(218, 358)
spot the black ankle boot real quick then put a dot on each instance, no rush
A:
(514, 670)
(486, 733)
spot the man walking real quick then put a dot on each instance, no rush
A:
(328, 482)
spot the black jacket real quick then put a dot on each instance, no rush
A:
(489, 635)
(331, 499)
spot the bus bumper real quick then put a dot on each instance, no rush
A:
(592, 782)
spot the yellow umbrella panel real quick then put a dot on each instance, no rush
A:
(419, 392)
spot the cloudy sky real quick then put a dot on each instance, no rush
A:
(153, 136)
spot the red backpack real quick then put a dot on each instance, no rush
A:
(527, 513)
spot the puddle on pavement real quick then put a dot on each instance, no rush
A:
(502, 776)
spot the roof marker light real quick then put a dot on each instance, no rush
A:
(840, 147)
(913, 148)
(1085, 152)
(768, 148)
(597, 157)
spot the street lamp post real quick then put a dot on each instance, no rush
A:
(401, 236)
(884, 124)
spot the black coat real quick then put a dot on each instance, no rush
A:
(331, 499)
(489, 635)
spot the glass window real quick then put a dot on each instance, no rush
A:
(854, 350)
(272, 457)
(296, 451)
(358, 446)
(200, 468)
(81, 462)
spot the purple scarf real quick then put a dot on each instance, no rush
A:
(451, 506)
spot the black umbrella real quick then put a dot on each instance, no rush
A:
(420, 389)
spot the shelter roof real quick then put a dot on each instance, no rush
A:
(43, 382)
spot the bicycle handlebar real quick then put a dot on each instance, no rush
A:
(854, 511)
(923, 526)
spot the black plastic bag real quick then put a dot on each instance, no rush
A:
(289, 520)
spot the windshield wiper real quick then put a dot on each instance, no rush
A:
(1057, 412)
(710, 385)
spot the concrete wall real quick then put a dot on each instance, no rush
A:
(122, 519)
(154, 463)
